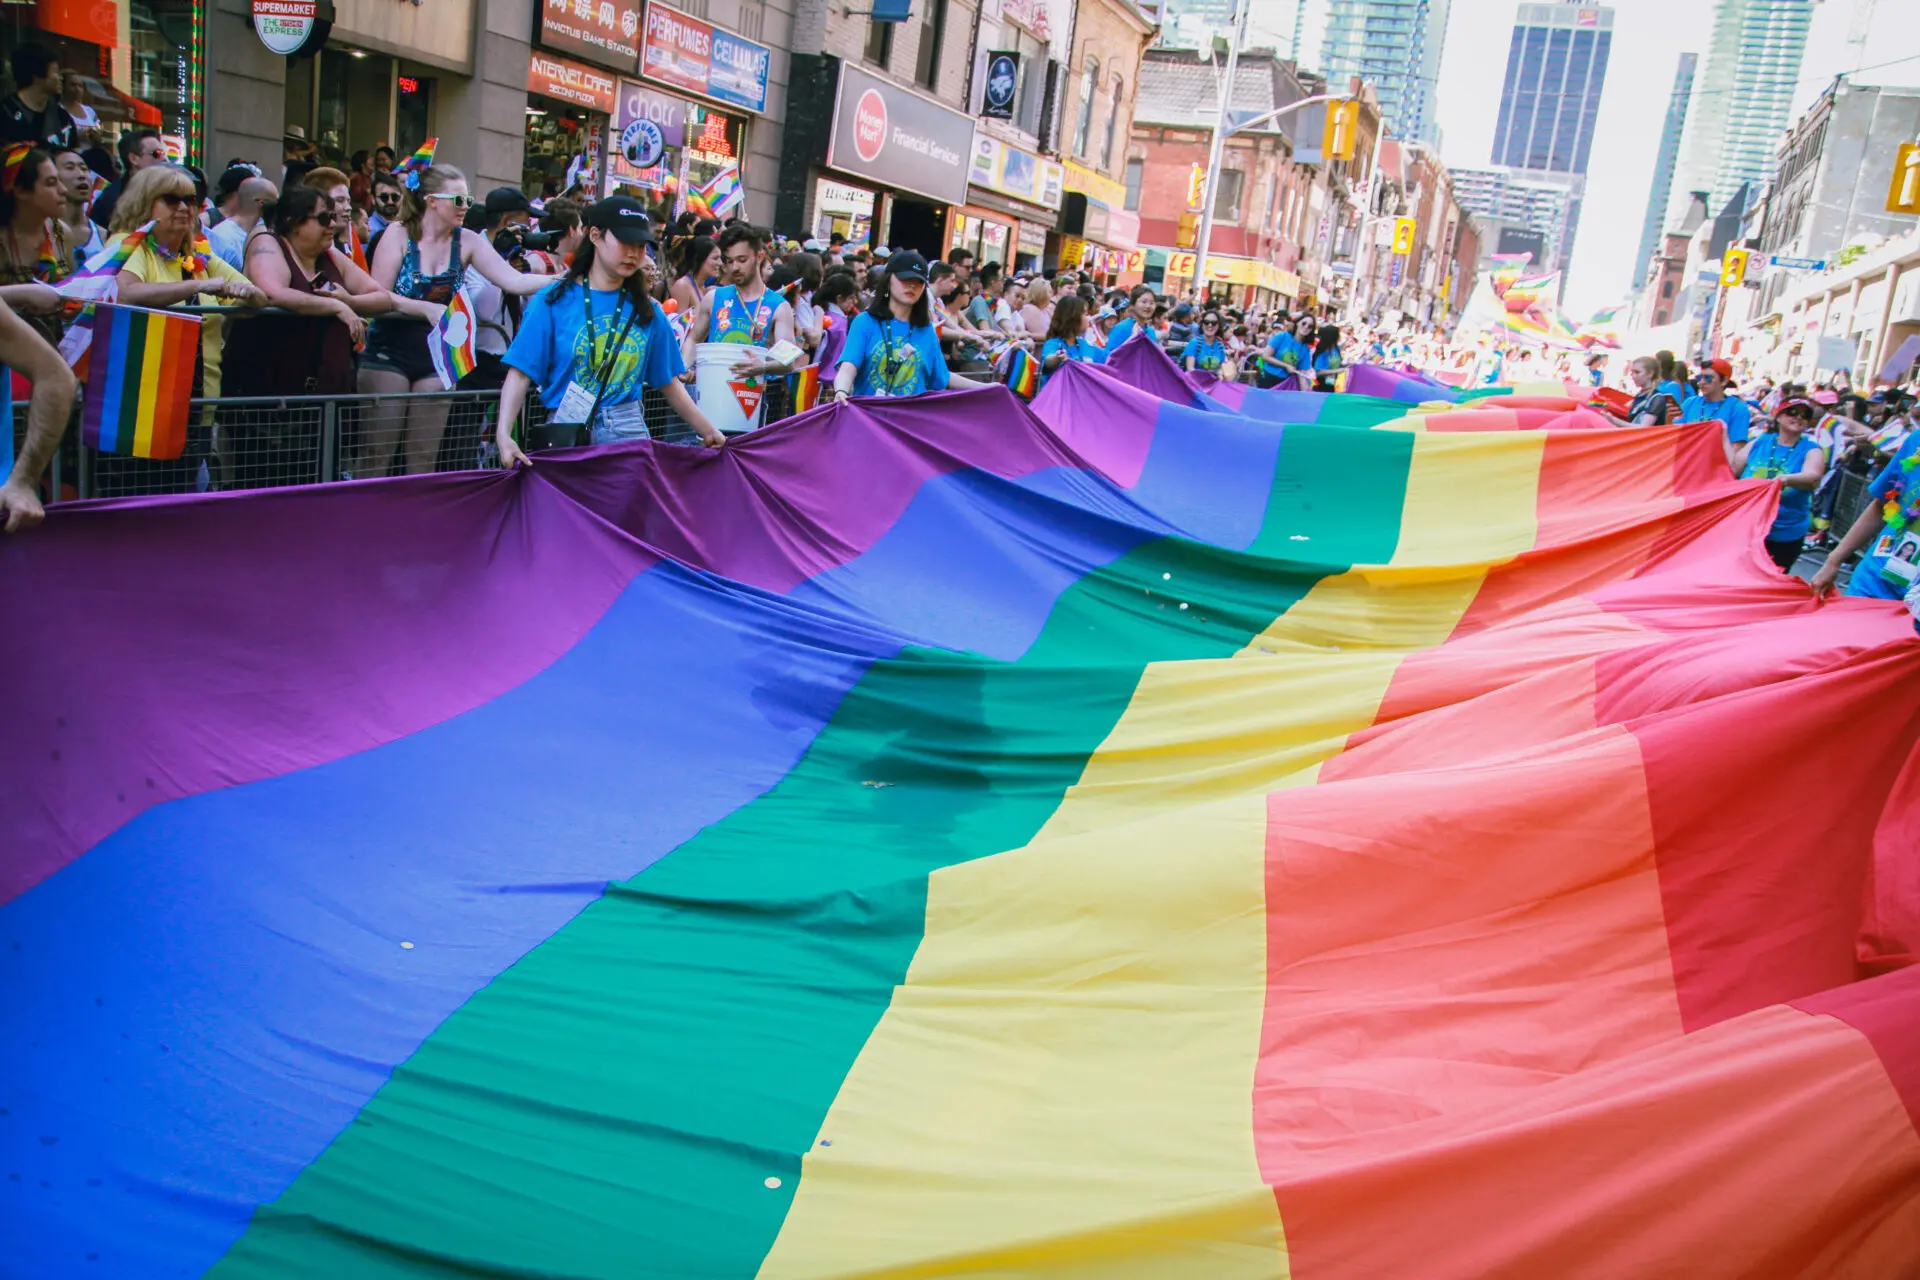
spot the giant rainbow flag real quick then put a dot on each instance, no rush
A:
(1117, 837)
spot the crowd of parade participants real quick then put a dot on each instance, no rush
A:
(594, 312)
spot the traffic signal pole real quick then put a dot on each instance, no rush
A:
(1219, 142)
(1221, 133)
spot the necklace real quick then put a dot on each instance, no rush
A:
(1898, 515)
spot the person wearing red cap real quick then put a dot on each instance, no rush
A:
(1715, 379)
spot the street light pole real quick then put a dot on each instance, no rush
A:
(1240, 11)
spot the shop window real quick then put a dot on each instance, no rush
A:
(879, 43)
(1083, 127)
(1136, 169)
(926, 70)
(1226, 196)
(1113, 123)
(1030, 95)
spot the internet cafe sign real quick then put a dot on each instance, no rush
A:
(899, 139)
(573, 82)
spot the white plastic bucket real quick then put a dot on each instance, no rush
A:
(732, 405)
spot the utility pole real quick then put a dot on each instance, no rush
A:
(1240, 11)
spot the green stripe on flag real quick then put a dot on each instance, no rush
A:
(614, 1104)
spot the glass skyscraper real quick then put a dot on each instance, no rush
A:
(1663, 165)
(1550, 101)
(1396, 44)
(1741, 99)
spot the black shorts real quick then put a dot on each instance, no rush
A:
(1785, 552)
(398, 344)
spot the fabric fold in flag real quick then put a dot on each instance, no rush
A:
(1158, 830)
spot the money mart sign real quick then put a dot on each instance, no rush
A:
(895, 137)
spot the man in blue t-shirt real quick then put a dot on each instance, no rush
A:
(1888, 568)
(1715, 379)
(596, 341)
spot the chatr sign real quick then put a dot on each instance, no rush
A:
(897, 138)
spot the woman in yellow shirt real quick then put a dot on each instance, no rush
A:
(171, 266)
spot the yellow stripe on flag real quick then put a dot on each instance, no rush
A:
(147, 390)
(1083, 1015)
(1064, 1083)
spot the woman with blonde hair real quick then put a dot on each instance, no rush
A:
(171, 265)
(1037, 314)
(421, 257)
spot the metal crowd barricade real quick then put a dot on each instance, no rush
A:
(1849, 500)
(259, 442)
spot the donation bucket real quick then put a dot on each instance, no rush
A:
(732, 404)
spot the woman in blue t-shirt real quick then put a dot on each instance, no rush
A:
(1326, 358)
(1067, 337)
(1786, 452)
(1206, 351)
(595, 342)
(892, 348)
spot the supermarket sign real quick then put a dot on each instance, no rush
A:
(687, 53)
(285, 26)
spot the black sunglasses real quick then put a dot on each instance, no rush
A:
(324, 217)
(386, 197)
(174, 200)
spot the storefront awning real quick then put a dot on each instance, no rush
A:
(113, 106)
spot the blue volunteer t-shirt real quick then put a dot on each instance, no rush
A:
(566, 333)
(1867, 579)
(1289, 350)
(1078, 349)
(1204, 354)
(894, 358)
(1122, 331)
(1730, 410)
(1768, 459)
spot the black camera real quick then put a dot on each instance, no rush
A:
(516, 238)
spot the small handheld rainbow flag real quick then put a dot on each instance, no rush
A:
(722, 191)
(1023, 373)
(452, 343)
(806, 388)
(410, 169)
(142, 379)
(356, 250)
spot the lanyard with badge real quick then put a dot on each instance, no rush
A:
(575, 405)
(894, 356)
(1900, 543)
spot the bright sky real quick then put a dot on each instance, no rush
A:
(1648, 38)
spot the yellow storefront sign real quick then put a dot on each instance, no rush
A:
(1097, 185)
(1222, 269)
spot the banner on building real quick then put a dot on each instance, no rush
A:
(1003, 77)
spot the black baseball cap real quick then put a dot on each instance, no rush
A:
(507, 200)
(908, 265)
(623, 217)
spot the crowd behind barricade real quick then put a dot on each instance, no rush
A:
(375, 317)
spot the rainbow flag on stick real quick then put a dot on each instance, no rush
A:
(1023, 373)
(722, 191)
(136, 403)
(806, 388)
(410, 169)
(452, 343)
